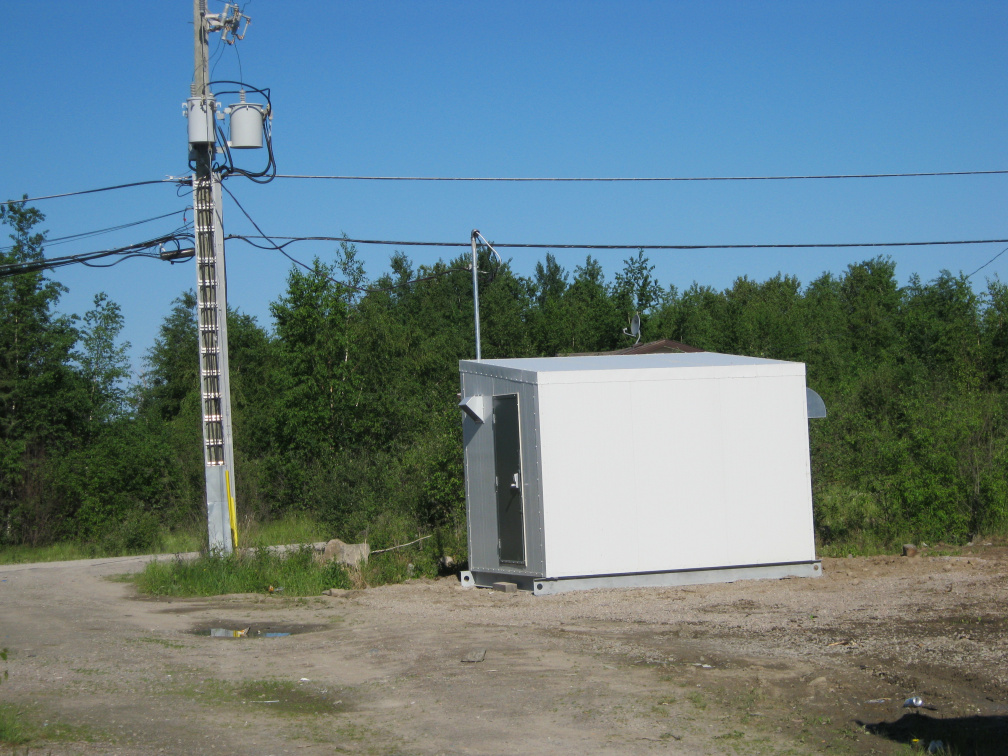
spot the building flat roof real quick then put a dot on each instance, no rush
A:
(613, 367)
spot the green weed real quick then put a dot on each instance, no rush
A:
(21, 726)
(288, 698)
(12, 729)
(57, 552)
(698, 700)
(297, 573)
(269, 696)
(733, 735)
(162, 642)
(143, 537)
(299, 528)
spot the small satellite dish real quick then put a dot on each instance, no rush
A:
(634, 328)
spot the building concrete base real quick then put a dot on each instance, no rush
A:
(549, 586)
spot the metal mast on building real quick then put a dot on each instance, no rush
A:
(211, 284)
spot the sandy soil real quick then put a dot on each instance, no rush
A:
(781, 666)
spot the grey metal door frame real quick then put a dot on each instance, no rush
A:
(508, 480)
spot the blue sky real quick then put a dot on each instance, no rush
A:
(94, 93)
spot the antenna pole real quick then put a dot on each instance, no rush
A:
(475, 234)
(211, 301)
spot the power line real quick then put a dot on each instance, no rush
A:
(280, 248)
(817, 245)
(988, 262)
(140, 249)
(806, 177)
(169, 180)
(87, 234)
(815, 176)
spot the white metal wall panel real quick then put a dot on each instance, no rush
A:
(685, 520)
(589, 506)
(769, 486)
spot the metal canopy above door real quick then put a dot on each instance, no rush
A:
(508, 475)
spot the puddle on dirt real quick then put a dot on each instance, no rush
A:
(232, 630)
(223, 632)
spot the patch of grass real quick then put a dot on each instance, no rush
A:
(341, 732)
(861, 548)
(943, 552)
(275, 696)
(22, 726)
(12, 728)
(418, 560)
(839, 549)
(698, 700)
(297, 572)
(165, 541)
(182, 540)
(188, 539)
(733, 735)
(294, 529)
(290, 699)
(162, 642)
(848, 518)
(57, 552)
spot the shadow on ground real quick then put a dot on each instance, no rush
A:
(968, 736)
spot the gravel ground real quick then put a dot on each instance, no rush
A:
(774, 666)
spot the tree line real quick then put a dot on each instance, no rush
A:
(345, 407)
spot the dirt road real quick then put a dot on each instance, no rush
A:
(783, 666)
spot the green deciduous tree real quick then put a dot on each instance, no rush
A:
(871, 299)
(103, 360)
(40, 397)
(994, 334)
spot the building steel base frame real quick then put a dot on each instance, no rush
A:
(550, 586)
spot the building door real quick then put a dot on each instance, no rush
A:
(507, 469)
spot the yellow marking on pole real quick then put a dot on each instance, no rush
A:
(231, 511)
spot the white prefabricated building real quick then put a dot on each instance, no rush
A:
(636, 470)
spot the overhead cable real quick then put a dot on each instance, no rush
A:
(176, 179)
(917, 174)
(988, 262)
(814, 245)
(150, 248)
(280, 248)
(169, 180)
(266, 174)
(98, 232)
